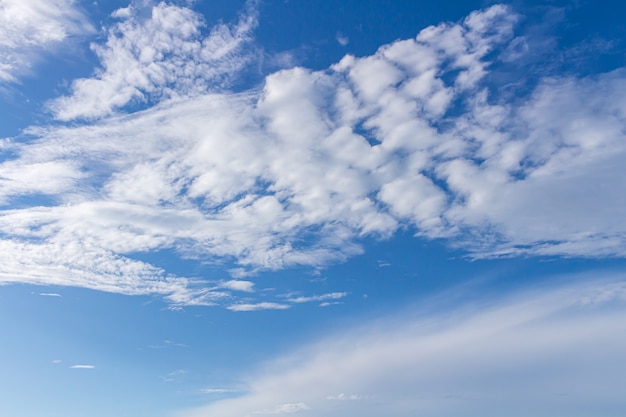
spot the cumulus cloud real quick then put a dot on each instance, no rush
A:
(148, 59)
(297, 172)
(31, 28)
(530, 353)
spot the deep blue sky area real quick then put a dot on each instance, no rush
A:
(312, 208)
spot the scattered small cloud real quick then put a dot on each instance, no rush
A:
(238, 285)
(49, 294)
(82, 367)
(342, 39)
(57, 361)
(258, 306)
(283, 60)
(329, 296)
(327, 304)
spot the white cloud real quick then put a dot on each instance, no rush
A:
(82, 367)
(342, 39)
(32, 28)
(258, 306)
(217, 390)
(323, 297)
(556, 189)
(328, 304)
(527, 354)
(238, 285)
(48, 177)
(49, 294)
(296, 173)
(148, 59)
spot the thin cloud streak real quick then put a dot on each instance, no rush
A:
(529, 353)
(258, 306)
(217, 390)
(323, 297)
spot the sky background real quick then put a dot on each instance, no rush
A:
(348, 208)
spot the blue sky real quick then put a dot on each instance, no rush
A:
(324, 209)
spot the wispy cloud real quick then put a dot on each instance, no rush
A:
(167, 344)
(173, 376)
(82, 367)
(32, 28)
(328, 304)
(323, 297)
(217, 390)
(49, 294)
(530, 351)
(342, 39)
(258, 306)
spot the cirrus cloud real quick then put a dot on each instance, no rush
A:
(31, 28)
(529, 353)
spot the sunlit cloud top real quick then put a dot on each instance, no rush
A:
(301, 169)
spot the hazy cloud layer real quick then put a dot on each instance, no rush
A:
(558, 352)
(298, 171)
